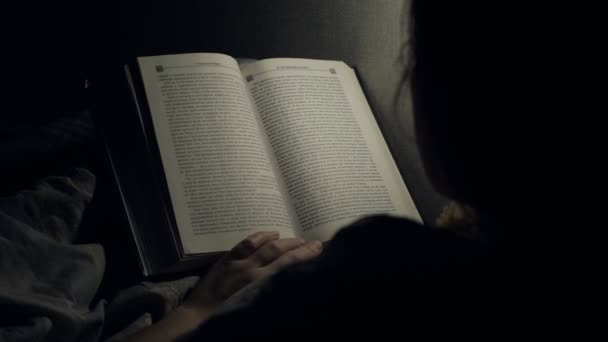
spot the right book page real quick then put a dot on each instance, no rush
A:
(335, 163)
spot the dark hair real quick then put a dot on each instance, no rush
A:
(470, 101)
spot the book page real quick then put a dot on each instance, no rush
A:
(219, 172)
(334, 161)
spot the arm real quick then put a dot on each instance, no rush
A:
(258, 256)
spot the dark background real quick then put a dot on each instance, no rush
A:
(47, 125)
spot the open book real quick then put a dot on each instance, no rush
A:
(278, 144)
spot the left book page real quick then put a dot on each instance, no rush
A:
(221, 178)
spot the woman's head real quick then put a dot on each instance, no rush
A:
(467, 99)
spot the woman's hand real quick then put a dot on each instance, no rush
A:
(258, 255)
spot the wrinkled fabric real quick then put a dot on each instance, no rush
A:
(47, 283)
(144, 304)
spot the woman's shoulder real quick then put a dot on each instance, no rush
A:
(369, 269)
(384, 236)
